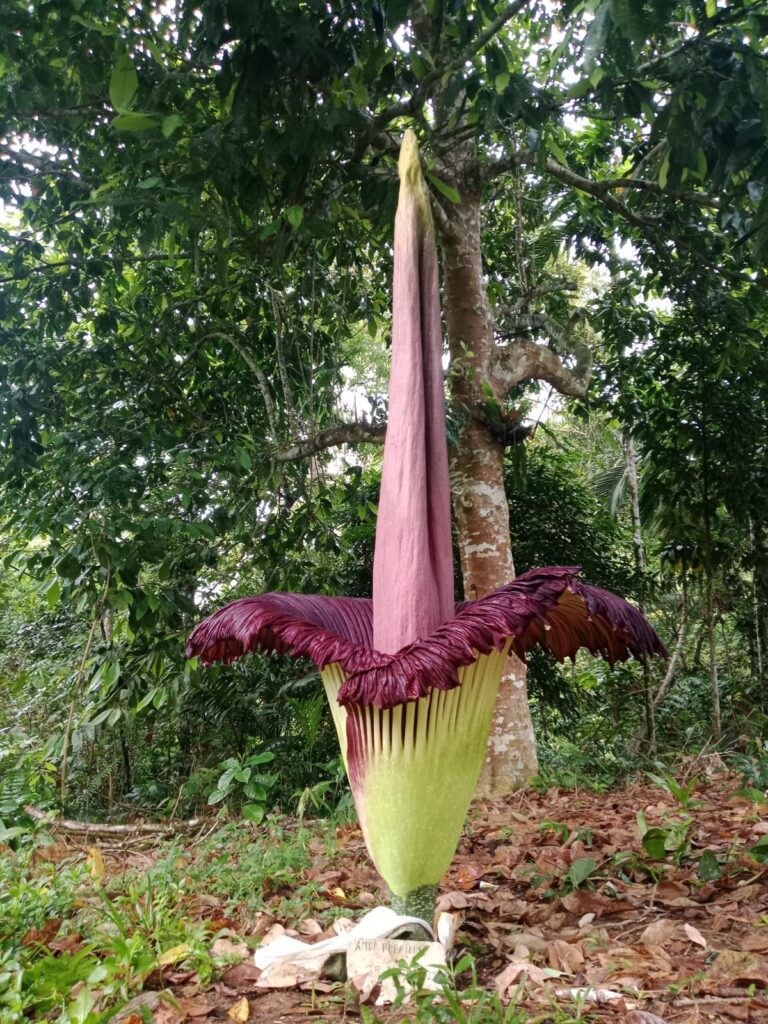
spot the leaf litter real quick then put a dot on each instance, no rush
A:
(554, 894)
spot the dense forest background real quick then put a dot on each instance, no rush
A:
(195, 237)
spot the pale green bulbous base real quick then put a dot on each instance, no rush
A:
(419, 767)
(418, 903)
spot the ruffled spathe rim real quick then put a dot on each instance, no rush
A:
(548, 607)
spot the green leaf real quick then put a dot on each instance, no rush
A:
(750, 793)
(145, 700)
(664, 171)
(711, 8)
(654, 843)
(709, 867)
(52, 592)
(294, 215)
(134, 122)
(580, 870)
(444, 189)
(123, 83)
(501, 81)
(243, 457)
(263, 758)
(253, 812)
(556, 152)
(79, 1010)
(170, 124)
(149, 182)
(579, 89)
(270, 229)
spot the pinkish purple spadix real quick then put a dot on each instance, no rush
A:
(413, 563)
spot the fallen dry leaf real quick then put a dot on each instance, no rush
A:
(596, 903)
(42, 936)
(518, 971)
(174, 955)
(230, 948)
(242, 977)
(695, 935)
(240, 1011)
(565, 956)
(94, 863)
(196, 1007)
(309, 927)
(659, 933)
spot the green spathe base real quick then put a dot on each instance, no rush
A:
(421, 763)
(418, 903)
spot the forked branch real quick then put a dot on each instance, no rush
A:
(358, 432)
(525, 360)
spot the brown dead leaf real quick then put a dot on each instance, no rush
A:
(673, 894)
(695, 935)
(517, 970)
(451, 901)
(42, 936)
(756, 942)
(272, 933)
(242, 977)
(196, 1008)
(736, 968)
(643, 1017)
(66, 944)
(366, 993)
(468, 875)
(565, 956)
(133, 1007)
(514, 937)
(284, 974)
(167, 1013)
(596, 903)
(309, 927)
(220, 924)
(240, 1011)
(230, 948)
(659, 933)
(739, 895)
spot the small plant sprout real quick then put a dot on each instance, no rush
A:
(412, 677)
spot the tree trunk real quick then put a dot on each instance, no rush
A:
(480, 503)
(638, 547)
(713, 680)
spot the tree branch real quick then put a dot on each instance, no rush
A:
(600, 190)
(524, 360)
(358, 432)
(669, 677)
(405, 107)
(256, 370)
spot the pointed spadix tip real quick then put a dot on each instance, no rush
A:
(409, 168)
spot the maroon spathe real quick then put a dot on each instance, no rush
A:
(413, 561)
(411, 638)
(549, 607)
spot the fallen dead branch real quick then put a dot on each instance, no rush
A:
(143, 829)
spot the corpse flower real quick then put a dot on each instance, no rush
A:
(411, 676)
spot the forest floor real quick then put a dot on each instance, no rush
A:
(564, 909)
